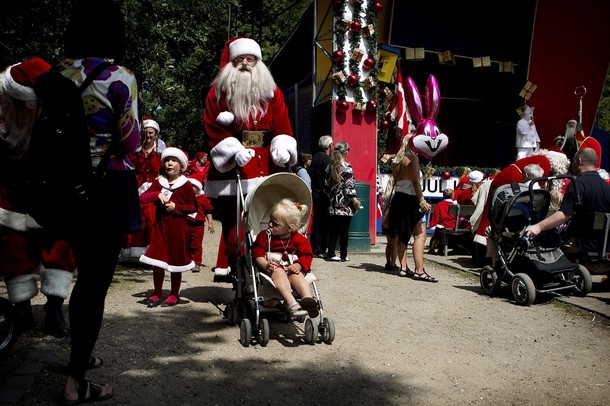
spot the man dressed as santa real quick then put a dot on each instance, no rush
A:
(27, 252)
(248, 129)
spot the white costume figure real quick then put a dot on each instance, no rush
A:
(528, 140)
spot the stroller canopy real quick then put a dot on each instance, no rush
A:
(274, 188)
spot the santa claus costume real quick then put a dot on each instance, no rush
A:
(248, 128)
(147, 163)
(27, 252)
(197, 221)
(169, 248)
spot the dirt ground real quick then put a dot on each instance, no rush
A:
(398, 341)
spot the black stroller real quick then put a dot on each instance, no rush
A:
(256, 297)
(8, 332)
(528, 266)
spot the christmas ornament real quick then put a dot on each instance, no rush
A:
(368, 63)
(339, 2)
(377, 6)
(385, 124)
(352, 80)
(342, 105)
(445, 175)
(338, 56)
(355, 26)
(371, 105)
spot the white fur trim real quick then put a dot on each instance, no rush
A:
(224, 271)
(177, 183)
(132, 252)
(225, 118)
(288, 143)
(55, 282)
(164, 265)
(244, 46)
(223, 154)
(145, 186)
(17, 221)
(22, 287)
(175, 153)
(151, 124)
(17, 91)
(215, 188)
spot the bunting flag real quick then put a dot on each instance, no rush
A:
(398, 107)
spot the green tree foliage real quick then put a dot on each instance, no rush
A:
(604, 107)
(173, 47)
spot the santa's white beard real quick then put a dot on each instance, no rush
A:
(247, 92)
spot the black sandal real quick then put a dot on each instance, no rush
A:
(423, 276)
(406, 274)
(95, 393)
(95, 362)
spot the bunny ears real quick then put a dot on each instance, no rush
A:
(428, 140)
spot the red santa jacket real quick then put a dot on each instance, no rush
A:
(225, 142)
(441, 215)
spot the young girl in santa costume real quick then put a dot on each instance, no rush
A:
(284, 254)
(169, 248)
(198, 220)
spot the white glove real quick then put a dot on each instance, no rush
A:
(244, 156)
(280, 156)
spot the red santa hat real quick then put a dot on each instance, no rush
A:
(196, 180)
(175, 153)
(20, 78)
(238, 46)
(150, 123)
(591, 142)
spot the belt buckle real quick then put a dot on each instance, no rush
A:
(252, 139)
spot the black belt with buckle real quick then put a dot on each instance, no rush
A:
(254, 139)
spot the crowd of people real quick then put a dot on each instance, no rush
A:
(250, 137)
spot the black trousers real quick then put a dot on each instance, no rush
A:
(339, 228)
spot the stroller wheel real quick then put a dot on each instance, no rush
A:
(311, 331)
(582, 281)
(7, 326)
(490, 282)
(263, 338)
(245, 332)
(327, 328)
(231, 313)
(524, 290)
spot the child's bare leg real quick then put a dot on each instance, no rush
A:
(282, 284)
(298, 283)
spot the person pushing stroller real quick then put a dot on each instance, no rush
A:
(284, 254)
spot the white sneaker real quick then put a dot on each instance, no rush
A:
(346, 259)
(335, 258)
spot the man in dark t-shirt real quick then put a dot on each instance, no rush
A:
(319, 223)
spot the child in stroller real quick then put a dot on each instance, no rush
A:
(262, 287)
(285, 255)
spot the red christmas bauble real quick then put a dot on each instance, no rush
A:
(371, 105)
(385, 124)
(339, 2)
(342, 105)
(368, 63)
(377, 6)
(338, 56)
(445, 175)
(355, 26)
(352, 79)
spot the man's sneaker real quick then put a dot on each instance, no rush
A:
(346, 259)
(335, 258)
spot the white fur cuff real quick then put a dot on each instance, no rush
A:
(287, 143)
(55, 282)
(223, 154)
(22, 287)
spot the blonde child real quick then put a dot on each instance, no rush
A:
(170, 247)
(284, 254)
(198, 220)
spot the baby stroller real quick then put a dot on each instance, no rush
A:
(8, 332)
(255, 295)
(528, 266)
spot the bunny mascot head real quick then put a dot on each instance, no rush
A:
(428, 140)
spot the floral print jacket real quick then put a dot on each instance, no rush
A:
(341, 195)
